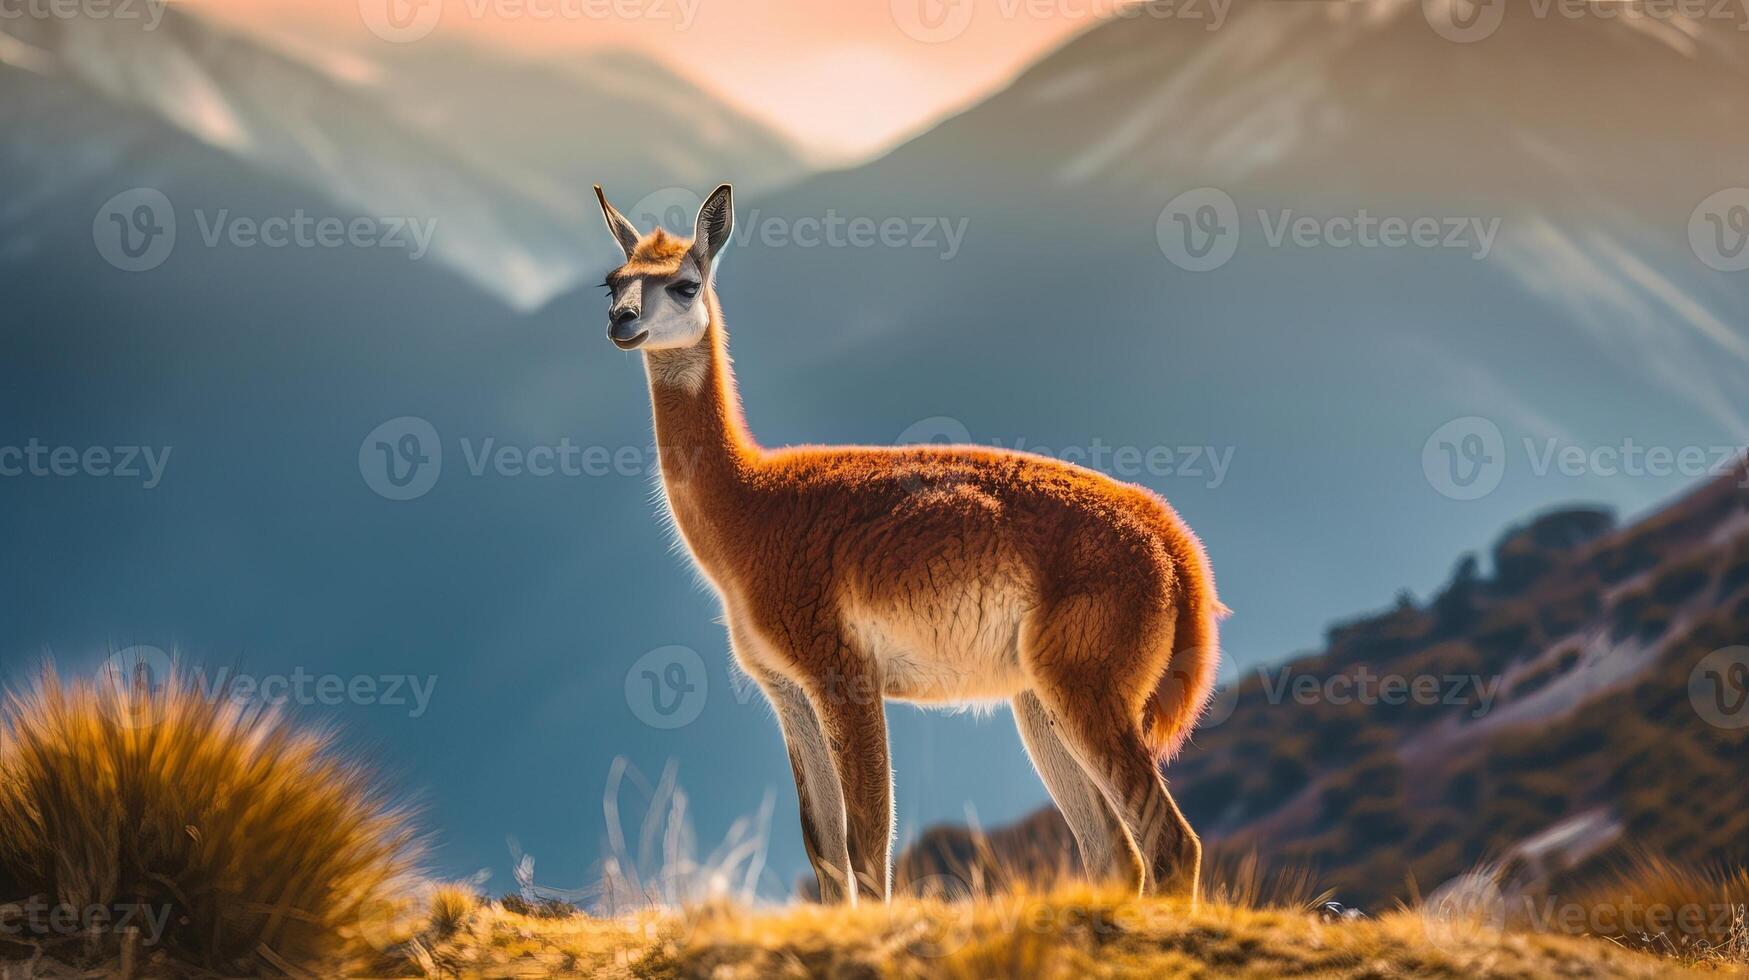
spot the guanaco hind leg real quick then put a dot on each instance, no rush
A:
(1107, 852)
(1111, 751)
(1092, 656)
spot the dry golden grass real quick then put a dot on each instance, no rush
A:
(1067, 934)
(450, 908)
(258, 847)
(1697, 916)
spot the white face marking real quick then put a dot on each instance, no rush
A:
(672, 319)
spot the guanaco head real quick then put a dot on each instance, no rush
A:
(660, 296)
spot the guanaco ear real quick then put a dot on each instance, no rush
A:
(623, 231)
(716, 219)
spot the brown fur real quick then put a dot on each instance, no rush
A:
(941, 574)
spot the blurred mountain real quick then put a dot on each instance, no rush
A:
(501, 155)
(1572, 715)
(562, 125)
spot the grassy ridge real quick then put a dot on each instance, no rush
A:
(164, 832)
(1066, 934)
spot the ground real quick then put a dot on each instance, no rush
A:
(1065, 935)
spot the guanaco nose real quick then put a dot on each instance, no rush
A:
(622, 327)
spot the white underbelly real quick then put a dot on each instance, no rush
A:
(955, 646)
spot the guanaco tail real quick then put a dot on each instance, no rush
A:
(929, 574)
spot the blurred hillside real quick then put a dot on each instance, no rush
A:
(1571, 720)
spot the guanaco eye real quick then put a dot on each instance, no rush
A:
(686, 290)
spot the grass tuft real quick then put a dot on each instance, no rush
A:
(1698, 915)
(449, 908)
(231, 842)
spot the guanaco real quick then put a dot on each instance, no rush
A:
(928, 574)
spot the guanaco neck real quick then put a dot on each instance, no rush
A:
(707, 455)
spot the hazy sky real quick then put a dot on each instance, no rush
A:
(845, 79)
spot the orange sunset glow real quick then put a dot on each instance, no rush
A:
(843, 80)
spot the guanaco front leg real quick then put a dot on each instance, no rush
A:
(822, 803)
(849, 704)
